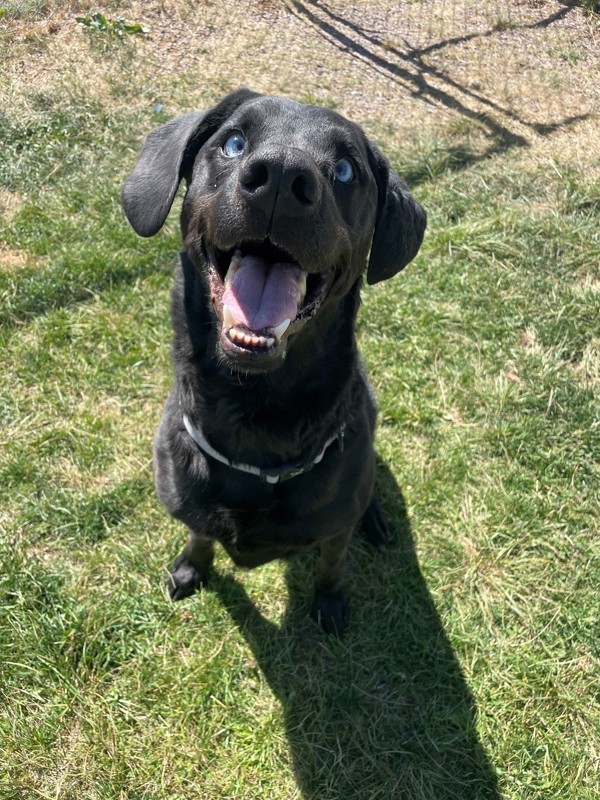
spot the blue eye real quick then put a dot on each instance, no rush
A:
(235, 145)
(343, 170)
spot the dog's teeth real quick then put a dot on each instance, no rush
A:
(301, 287)
(245, 339)
(281, 328)
(228, 320)
(234, 265)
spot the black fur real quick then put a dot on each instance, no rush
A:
(279, 405)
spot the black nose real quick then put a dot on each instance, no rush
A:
(284, 182)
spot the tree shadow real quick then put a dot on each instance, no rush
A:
(386, 712)
(430, 84)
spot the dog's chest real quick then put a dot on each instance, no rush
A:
(262, 529)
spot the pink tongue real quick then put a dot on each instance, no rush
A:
(263, 295)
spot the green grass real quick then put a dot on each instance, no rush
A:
(471, 663)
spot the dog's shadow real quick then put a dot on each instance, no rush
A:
(386, 712)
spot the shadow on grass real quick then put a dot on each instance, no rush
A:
(407, 67)
(67, 285)
(386, 712)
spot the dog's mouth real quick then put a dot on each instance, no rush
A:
(261, 295)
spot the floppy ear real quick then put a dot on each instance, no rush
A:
(399, 225)
(166, 156)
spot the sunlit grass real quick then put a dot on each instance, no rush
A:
(469, 667)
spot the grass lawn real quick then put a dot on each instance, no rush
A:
(470, 666)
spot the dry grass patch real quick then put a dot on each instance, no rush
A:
(468, 667)
(12, 259)
(10, 204)
(506, 72)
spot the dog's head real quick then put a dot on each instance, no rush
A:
(285, 206)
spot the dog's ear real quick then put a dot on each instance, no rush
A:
(166, 158)
(399, 225)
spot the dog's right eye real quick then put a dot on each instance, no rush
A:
(234, 145)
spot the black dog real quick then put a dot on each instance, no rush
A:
(266, 440)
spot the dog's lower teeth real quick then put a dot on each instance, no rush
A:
(245, 339)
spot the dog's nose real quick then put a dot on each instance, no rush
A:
(285, 182)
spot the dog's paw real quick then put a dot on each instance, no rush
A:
(185, 579)
(375, 526)
(330, 612)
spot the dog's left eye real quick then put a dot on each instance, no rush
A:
(343, 170)
(235, 145)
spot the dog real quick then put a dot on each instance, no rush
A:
(266, 442)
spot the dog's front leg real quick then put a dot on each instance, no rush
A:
(191, 566)
(330, 608)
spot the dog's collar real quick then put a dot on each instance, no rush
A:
(276, 475)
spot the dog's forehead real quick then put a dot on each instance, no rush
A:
(299, 124)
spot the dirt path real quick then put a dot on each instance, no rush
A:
(503, 74)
